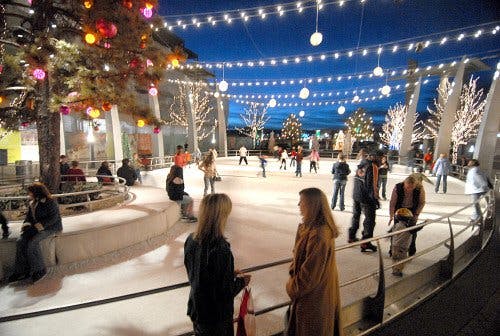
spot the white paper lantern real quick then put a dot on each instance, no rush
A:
(378, 71)
(223, 85)
(302, 114)
(386, 89)
(341, 109)
(304, 93)
(316, 39)
(272, 102)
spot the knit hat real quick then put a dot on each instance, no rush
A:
(404, 213)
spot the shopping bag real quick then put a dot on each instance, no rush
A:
(246, 316)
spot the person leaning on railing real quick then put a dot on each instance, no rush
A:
(43, 220)
(75, 174)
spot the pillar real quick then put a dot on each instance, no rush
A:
(158, 149)
(62, 144)
(222, 129)
(443, 140)
(114, 134)
(486, 140)
(347, 145)
(192, 136)
(409, 123)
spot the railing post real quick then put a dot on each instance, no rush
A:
(448, 263)
(374, 306)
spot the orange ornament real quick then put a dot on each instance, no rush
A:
(88, 4)
(141, 123)
(127, 4)
(106, 106)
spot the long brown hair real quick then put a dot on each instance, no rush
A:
(317, 210)
(212, 217)
(175, 171)
(39, 191)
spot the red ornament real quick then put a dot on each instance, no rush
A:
(106, 106)
(64, 109)
(25, 124)
(134, 63)
(106, 29)
(127, 4)
(156, 130)
(142, 45)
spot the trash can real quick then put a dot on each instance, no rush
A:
(24, 171)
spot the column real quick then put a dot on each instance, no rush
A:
(192, 136)
(114, 135)
(486, 140)
(409, 123)
(443, 140)
(222, 128)
(347, 145)
(158, 149)
(62, 145)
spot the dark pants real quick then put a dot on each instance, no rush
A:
(283, 163)
(243, 158)
(298, 170)
(382, 182)
(413, 247)
(338, 187)
(313, 165)
(29, 258)
(221, 329)
(292, 161)
(263, 166)
(438, 182)
(369, 211)
(5, 228)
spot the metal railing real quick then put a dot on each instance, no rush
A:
(373, 306)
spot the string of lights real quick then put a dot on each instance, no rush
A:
(416, 44)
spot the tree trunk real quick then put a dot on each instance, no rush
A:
(48, 128)
(454, 157)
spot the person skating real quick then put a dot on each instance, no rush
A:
(243, 155)
(441, 170)
(299, 158)
(284, 157)
(340, 171)
(383, 172)
(314, 161)
(476, 185)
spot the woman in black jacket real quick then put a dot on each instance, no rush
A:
(175, 191)
(43, 220)
(210, 267)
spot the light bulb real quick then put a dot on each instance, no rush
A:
(272, 102)
(341, 110)
(378, 71)
(356, 98)
(316, 39)
(304, 93)
(386, 89)
(302, 113)
(223, 85)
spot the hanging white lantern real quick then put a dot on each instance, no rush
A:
(304, 93)
(316, 39)
(386, 89)
(302, 114)
(223, 85)
(341, 109)
(378, 71)
(272, 102)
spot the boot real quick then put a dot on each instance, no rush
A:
(368, 247)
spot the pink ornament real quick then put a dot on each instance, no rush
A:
(106, 29)
(156, 130)
(25, 124)
(64, 109)
(153, 91)
(107, 45)
(1, 68)
(149, 63)
(147, 12)
(39, 74)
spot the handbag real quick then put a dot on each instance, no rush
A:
(246, 316)
(217, 177)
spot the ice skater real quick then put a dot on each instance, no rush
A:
(263, 163)
(400, 243)
(284, 157)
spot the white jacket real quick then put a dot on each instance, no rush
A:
(476, 182)
(284, 155)
(243, 151)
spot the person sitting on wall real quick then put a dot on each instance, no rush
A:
(75, 174)
(103, 172)
(63, 167)
(5, 227)
(175, 190)
(126, 172)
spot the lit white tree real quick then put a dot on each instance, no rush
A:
(434, 121)
(468, 116)
(200, 105)
(254, 118)
(392, 129)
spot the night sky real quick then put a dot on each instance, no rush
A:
(288, 35)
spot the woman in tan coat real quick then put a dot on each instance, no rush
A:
(313, 285)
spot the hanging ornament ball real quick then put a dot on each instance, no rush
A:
(106, 106)
(1, 68)
(106, 29)
(147, 12)
(223, 86)
(156, 130)
(341, 109)
(301, 114)
(127, 4)
(386, 89)
(64, 109)
(39, 74)
(1, 99)
(316, 39)
(107, 45)
(356, 98)
(90, 38)
(378, 71)
(304, 93)
(25, 124)
(96, 128)
(153, 91)
(88, 4)
(149, 63)
(142, 45)
(93, 112)
(141, 123)
(272, 102)
(175, 62)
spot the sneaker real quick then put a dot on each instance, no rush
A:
(368, 246)
(17, 277)
(397, 273)
(38, 275)
(352, 240)
(192, 219)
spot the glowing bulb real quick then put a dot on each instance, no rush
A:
(223, 86)
(153, 91)
(272, 102)
(302, 114)
(378, 71)
(341, 110)
(141, 123)
(39, 74)
(356, 98)
(90, 38)
(316, 39)
(304, 93)
(386, 89)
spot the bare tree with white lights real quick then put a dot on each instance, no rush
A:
(254, 118)
(392, 129)
(434, 121)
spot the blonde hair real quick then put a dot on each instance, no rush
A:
(341, 157)
(317, 210)
(212, 217)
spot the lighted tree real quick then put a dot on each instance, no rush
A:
(292, 129)
(254, 118)
(69, 56)
(434, 120)
(392, 129)
(468, 116)
(200, 104)
(360, 125)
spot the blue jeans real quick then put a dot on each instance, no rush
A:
(438, 182)
(138, 173)
(298, 170)
(29, 258)
(209, 181)
(338, 186)
(476, 211)
(382, 182)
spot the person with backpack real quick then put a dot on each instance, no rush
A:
(340, 171)
(366, 200)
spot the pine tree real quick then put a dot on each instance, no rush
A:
(468, 116)
(254, 118)
(292, 129)
(78, 56)
(360, 125)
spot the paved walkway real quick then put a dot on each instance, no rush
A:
(261, 229)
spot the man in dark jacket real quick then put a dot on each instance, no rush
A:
(366, 199)
(340, 171)
(127, 172)
(5, 227)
